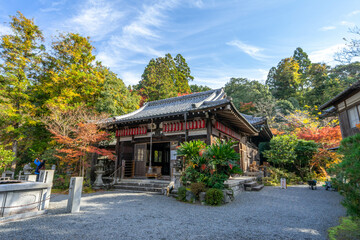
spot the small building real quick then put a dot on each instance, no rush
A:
(347, 106)
(148, 137)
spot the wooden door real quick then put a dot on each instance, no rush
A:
(140, 159)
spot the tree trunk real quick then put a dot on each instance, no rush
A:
(15, 151)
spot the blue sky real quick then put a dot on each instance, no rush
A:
(219, 39)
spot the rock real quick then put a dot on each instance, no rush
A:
(202, 196)
(228, 196)
(190, 197)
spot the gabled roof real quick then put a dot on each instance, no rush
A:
(195, 102)
(353, 88)
(260, 123)
(174, 106)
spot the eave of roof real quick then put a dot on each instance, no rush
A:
(213, 100)
(340, 96)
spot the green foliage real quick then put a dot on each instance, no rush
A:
(73, 77)
(348, 174)
(349, 229)
(276, 174)
(282, 150)
(6, 157)
(211, 165)
(197, 188)
(304, 151)
(263, 146)
(216, 180)
(181, 194)
(20, 54)
(164, 77)
(291, 155)
(194, 88)
(214, 197)
(244, 91)
(61, 181)
(191, 150)
(115, 98)
(285, 80)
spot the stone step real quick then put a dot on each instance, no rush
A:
(133, 180)
(257, 188)
(156, 185)
(139, 188)
(250, 184)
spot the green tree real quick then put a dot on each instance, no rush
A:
(198, 88)
(348, 174)
(282, 150)
(244, 91)
(347, 74)
(20, 54)
(304, 151)
(183, 76)
(72, 76)
(156, 81)
(284, 81)
(6, 157)
(304, 62)
(115, 98)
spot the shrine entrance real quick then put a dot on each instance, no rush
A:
(160, 157)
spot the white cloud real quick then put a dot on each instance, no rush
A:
(327, 28)
(217, 78)
(130, 78)
(197, 3)
(96, 19)
(138, 38)
(356, 12)
(4, 30)
(346, 23)
(252, 51)
(326, 55)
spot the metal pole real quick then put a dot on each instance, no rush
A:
(149, 171)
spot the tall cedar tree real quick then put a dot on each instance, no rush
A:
(115, 98)
(20, 54)
(164, 78)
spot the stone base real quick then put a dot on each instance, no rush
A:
(22, 216)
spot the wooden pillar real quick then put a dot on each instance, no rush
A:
(208, 130)
(117, 150)
(186, 130)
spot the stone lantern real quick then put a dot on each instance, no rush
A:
(99, 172)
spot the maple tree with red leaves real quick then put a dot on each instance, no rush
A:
(327, 136)
(77, 132)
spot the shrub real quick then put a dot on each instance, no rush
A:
(211, 165)
(214, 197)
(349, 228)
(61, 181)
(197, 188)
(181, 194)
(348, 174)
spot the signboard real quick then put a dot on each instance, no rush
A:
(173, 155)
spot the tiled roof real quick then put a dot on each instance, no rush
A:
(254, 120)
(196, 102)
(176, 105)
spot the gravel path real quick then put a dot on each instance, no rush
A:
(273, 213)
